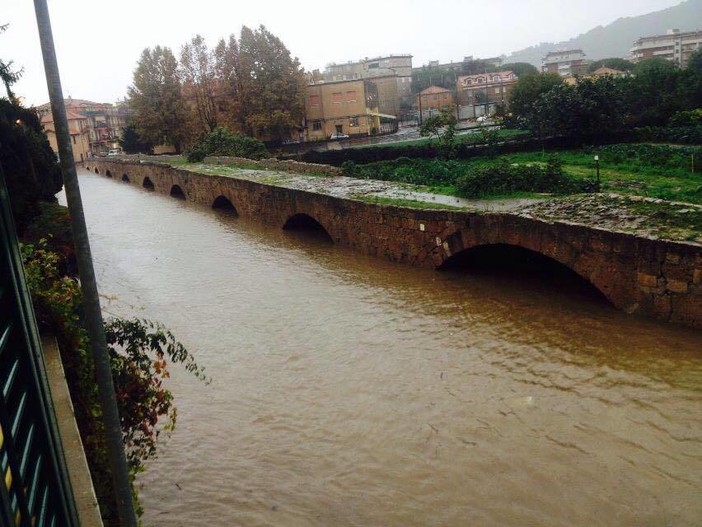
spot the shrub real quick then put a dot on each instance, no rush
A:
(504, 178)
(222, 142)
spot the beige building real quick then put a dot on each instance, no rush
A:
(78, 130)
(434, 98)
(395, 69)
(673, 46)
(105, 121)
(344, 107)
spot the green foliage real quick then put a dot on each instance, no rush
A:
(687, 118)
(694, 63)
(473, 180)
(132, 143)
(644, 156)
(31, 171)
(139, 352)
(506, 178)
(159, 111)
(222, 142)
(271, 86)
(593, 110)
(525, 101)
(443, 126)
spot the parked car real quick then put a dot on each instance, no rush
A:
(114, 152)
(338, 135)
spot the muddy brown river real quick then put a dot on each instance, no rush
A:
(348, 391)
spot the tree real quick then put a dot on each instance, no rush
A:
(271, 86)
(155, 98)
(589, 110)
(198, 71)
(8, 75)
(525, 103)
(614, 63)
(657, 91)
(443, 126)
(694, 63)
(520, 69)
(226, 65)
(132, 143)
(30, 167)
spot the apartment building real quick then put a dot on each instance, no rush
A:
(78, 130)
(342, 107)
(565, 63)
(480, 94)
(675, 46)
(105, 121)
(395, 67)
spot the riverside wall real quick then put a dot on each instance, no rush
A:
(655, 278)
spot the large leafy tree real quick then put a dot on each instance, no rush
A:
(271, 86)
(29, 166)
(657, 92)
(226, 66)
(156, 100)
(197, 64)
(526, 105)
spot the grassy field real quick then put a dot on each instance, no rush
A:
(631, 176)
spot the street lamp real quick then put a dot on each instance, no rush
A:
(597, 166)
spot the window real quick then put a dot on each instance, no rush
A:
(316, 126)
(74, 139)
(314, 101)
(351, 96)
(497, 91)
(353, 121)
(336, 97)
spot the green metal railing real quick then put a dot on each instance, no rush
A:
(34, 486)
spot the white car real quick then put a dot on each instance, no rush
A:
(114, 152)
(338, 135)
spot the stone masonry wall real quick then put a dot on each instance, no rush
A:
(655, 278)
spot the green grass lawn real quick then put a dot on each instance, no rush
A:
(630, 177)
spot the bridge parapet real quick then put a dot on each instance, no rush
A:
(656, 278)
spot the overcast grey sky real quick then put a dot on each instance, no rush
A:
(98, 43)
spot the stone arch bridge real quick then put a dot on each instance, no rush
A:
(655, 278)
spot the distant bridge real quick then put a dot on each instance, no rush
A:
(655, 278)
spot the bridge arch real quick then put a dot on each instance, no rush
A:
(515, 260)
(108, 173)
(148, 184)
(177, 192)
(306, 223)
(125, 178)
(222, 204)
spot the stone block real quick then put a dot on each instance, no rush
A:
(676, 286)
(697, 276)
(647, 280)
(672, 258)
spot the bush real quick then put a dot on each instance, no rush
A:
(504, 178)
(222, 142)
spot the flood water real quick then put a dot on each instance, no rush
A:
(348, 391)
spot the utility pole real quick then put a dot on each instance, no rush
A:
(91, 300)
